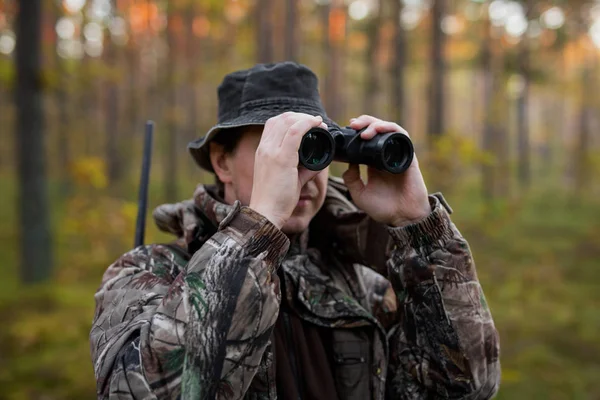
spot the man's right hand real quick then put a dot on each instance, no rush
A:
(277, 178)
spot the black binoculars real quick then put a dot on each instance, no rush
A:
(392, 152)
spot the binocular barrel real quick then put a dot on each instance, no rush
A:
(392, 152)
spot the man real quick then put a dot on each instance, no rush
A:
(286, 284)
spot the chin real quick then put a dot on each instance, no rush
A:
(301, 217)
(296, 224)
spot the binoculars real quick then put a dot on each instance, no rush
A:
(392, 152)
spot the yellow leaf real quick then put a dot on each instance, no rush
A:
(89, 171)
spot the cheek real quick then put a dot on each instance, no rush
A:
(321, 183)
(243, 178)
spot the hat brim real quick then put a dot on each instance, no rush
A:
(199, 148)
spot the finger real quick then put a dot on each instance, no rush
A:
(284, 122)
(380, 127)
(296, 131)
(353, 181)
(305, 175)
(362, 121)
(374, 173)
(276, 128)
(271, 131)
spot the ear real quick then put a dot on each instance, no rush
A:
(221, 162)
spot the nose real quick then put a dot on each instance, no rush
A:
(307, 189)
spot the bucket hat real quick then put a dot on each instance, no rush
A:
(252, 96)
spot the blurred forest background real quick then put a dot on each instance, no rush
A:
(502, 99)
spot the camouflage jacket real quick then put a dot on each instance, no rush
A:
(169, 328)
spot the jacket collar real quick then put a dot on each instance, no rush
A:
(325, 295)
(197, 219)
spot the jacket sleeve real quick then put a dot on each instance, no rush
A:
(445, 345)
(196, 333)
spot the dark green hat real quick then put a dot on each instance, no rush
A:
(252, 96)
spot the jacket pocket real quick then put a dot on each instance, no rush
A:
(351, 364)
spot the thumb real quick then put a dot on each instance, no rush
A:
(353, 181)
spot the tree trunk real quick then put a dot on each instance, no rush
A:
(436, 86)
(398, 64)
(88, 102)
(133, 104)
(264, 31)
(170, 164)
(495, 136)
(152, 102)
(552, 116)
(4, 107)
(325, 50)
(372, 72)
(192, 44)
(335, 15)
(113, 157)
(82, 93)
(585, 113)
(61, 94)
(487, 170)
(64, 106)
(501, 117)
(291, 30)
(524, 149)
(32, 203)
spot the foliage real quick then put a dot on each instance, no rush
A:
(537, 260)
(537, 249)
(44, 343)
(7, 72)
(450, 156)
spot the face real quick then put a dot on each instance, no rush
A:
(239, 181)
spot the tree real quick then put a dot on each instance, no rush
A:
(372, 72)
(291, 30)
(61, 93)
(398, 63)
(334, 16)
(191, 45)
(36, 248)
(152, 102)
(437, 74)
(494, 140)
(113, 157)
(490, 83)
(132, 109)
(172, 130)
(585, 113)
(523, 149)
(87, 89)
(264, 31)
(581, 159)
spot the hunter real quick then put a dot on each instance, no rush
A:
(286, 283)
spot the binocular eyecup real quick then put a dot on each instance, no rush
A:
(392, 152)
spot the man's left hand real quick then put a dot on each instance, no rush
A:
(392, 199)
